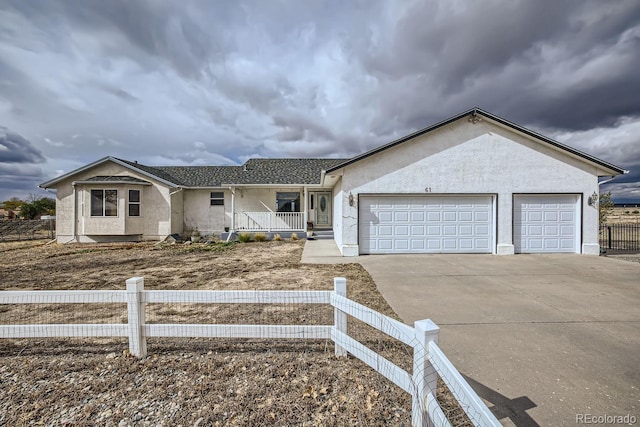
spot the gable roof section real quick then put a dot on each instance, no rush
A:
(615, 170)
(253, 172)
(144, 170)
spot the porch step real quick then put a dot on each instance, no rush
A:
(323, 234)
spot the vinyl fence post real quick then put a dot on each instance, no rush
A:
(340, 317)
(136, 317)
(425, 377)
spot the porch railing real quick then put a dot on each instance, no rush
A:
(269, 221)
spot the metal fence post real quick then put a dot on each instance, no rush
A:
(340, 317)
(425, 377)
(136, 317)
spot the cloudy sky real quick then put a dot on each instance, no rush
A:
(216, 82)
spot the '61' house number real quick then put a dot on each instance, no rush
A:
(427, 189)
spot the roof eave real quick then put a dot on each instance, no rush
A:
(110, 183)
(609, 168)
(56, 180)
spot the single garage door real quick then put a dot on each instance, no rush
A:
(425, 224)
(546, 223)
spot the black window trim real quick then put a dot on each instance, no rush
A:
(216, 198)
(104, 195)
(130, 203)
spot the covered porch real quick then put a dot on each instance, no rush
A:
(276, 209)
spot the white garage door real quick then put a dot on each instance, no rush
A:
(425, 224)
(546, 223)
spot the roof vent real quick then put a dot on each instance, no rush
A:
(245, 167)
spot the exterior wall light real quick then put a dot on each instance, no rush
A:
(351, 200)
(593, 199)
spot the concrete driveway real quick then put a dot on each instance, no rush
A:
(542, 338)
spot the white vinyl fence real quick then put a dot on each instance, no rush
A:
(429, 362)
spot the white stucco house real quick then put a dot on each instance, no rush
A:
(474, 183)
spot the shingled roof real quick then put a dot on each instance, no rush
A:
(254, 171)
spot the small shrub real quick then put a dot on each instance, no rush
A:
(277, 237)
(636, 212)
(294, 236)
(260, 237)
(244, 237)
(626, 212)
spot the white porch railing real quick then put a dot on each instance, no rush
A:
(269, 221)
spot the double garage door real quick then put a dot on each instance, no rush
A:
(465, 224)
(426, 224)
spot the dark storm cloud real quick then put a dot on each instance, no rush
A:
(16, 149)
(20, 181)
(549, 63)
(196, 82)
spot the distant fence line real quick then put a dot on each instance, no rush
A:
(27, 229)
(620, 238)
(429, 362)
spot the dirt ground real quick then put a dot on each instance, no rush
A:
(191, 381)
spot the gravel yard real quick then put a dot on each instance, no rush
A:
(190, 381)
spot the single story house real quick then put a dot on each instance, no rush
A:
(474, 183)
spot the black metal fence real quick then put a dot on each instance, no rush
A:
(620, 238)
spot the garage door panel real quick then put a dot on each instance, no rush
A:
(433, 216)
(401, 230)
(465, 216)
(417, 216)
(385, 216)
(567, 216)
(465, 230)
(546, 223)
(385, 230)
(401, 216)
(418, 230)
(423, 224)
(418, 244)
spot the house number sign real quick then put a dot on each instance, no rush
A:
(427, 189)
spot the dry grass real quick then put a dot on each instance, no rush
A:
(191, 381)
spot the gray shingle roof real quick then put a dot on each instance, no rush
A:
(254, 171)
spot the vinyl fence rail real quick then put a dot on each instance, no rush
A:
(429, 362)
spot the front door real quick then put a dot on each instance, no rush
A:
(323, 209)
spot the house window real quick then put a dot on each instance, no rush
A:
(134, 202)
(311, 202)
(217, 198)
(288, 202)
(104, 202)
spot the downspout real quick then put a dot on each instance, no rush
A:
(606, 180)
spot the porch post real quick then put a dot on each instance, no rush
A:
(305, 216)
(233, 210)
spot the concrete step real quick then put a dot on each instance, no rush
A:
(323, 234)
